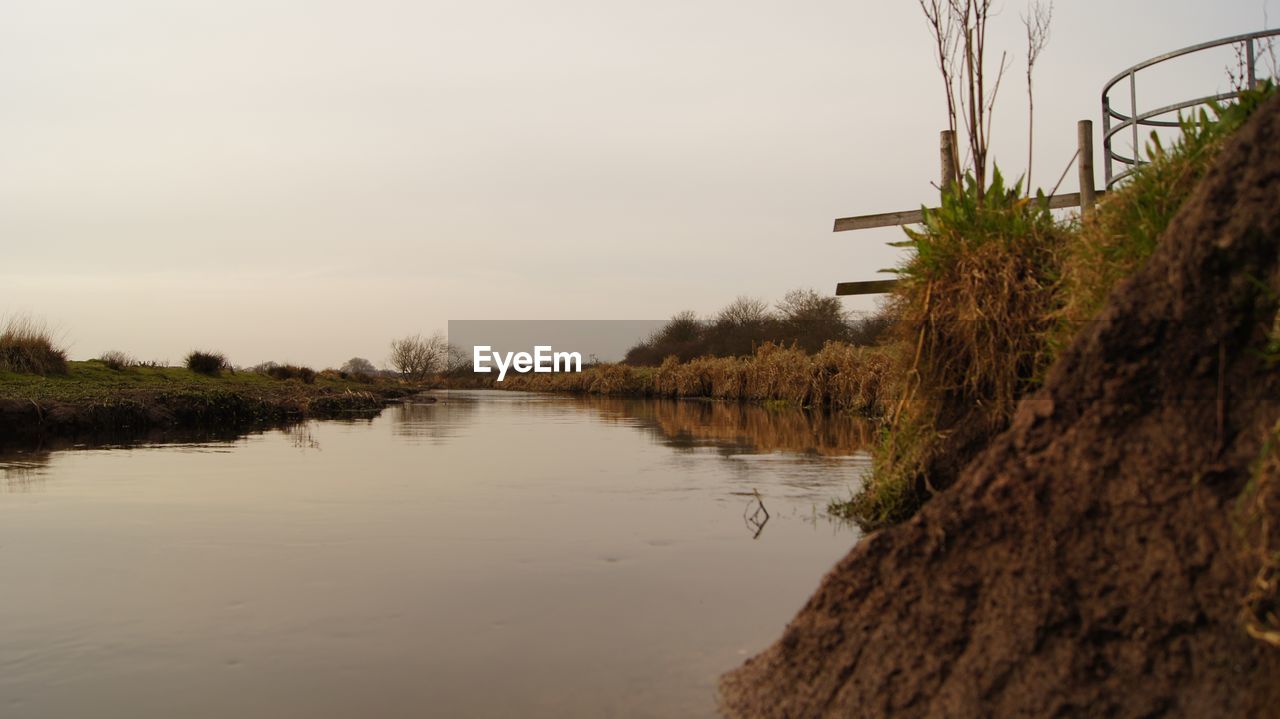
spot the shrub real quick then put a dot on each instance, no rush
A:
(117, 360)
(358, 365)
(804, 319)
(206, 363)
(27, 347)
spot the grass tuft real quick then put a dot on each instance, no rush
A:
(206, 363)
(28, 347)
(288, 371)
(117, 360)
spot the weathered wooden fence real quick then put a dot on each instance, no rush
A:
(950, 175)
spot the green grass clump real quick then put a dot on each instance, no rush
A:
(973, 308)
(28, 347)
(1114, 241)
(993, 293)
(206, 363)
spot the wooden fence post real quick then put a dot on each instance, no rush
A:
(1088, 193)
(948, 155)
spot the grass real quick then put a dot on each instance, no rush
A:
(206, 363)
(974, 305)
(91, 396)
(1113, 242)
(97, 379)
(117, 360)
(992, 294)
(28, 346)
(839, 377)
(288, 371)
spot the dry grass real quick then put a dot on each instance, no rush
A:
(117, 360)
(28, 347)
(839, 377)
(206, 363)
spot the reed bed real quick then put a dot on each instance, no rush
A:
(839, 377)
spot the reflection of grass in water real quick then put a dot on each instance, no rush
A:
(300, 436)
(435, 421)
(740, 427)
(22, 470)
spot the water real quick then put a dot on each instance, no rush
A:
(490, 555)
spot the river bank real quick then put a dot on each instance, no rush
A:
(1111, 551)
(839, 377)
(91, 398)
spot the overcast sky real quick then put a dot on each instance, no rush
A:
(303, 180)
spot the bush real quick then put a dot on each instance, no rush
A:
(117, 360)
(206, 363)
(27, 347)
(358, 366)
(803, 319)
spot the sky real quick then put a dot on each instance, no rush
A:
(304, 180)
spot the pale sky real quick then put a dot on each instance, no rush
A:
(302, 181)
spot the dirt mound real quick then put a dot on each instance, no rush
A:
(1089, 562)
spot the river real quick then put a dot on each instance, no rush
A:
(491, 554)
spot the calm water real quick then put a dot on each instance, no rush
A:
(490, 555)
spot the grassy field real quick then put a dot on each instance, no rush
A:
(92, 397)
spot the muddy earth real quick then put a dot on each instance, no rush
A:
(1093, 560)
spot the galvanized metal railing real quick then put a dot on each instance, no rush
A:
(1152, 118)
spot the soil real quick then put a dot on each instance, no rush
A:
(1090, 560)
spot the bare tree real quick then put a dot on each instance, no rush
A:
(416, 357)
(960, 35)
(809, 319)
(744, 311)
(1036, 22)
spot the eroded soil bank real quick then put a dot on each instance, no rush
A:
(1092, 560)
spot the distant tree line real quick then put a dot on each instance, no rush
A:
(803, 319)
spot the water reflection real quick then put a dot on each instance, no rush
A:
(301, 436)
(484, 555)
(22, 470)
(436, 421)
(734, 428)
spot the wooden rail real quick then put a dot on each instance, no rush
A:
(1084, 199)
(912, 217)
